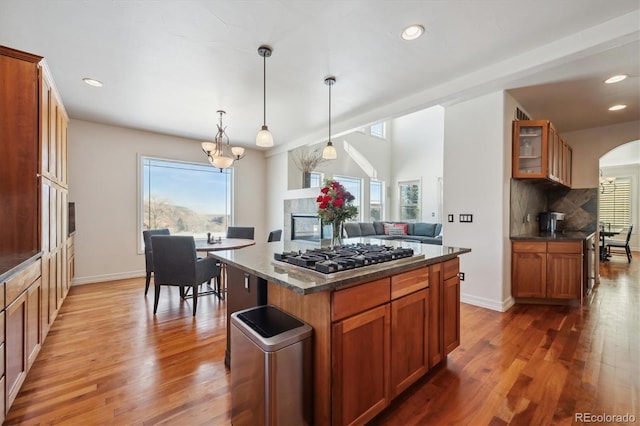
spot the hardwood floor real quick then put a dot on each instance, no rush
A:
(108, 360)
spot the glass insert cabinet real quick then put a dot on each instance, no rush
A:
(540, 153)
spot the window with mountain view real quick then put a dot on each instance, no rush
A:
(187, 198)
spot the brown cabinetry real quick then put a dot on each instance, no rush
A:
(444, 309)
(33, 175)
(361, 370)
(546, 269)
(539, 152)
(22, 326)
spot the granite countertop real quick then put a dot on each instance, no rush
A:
(10, 264)
(556, 236)
(258, 260)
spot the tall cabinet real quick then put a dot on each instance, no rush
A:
(34, 191)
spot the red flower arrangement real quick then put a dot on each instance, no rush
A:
(335, 203)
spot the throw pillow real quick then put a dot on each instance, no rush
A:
(424, 229)
(379, 227)
(367, 229)
(396, 228)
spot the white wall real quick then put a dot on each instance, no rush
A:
(477, 169)
(418, 148)
(590, 144)
(103, 182)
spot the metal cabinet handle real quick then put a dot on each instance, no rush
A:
(246, 282)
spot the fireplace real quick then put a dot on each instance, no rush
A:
(306, 226)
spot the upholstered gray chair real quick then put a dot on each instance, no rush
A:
(620, 244)
(275, 235)
(245, 232)
(148, 253)
(175, 263)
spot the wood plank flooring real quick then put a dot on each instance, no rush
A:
(108, 361)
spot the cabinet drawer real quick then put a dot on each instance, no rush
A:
(529, 246)
(352, 300)
(21, 281)
(2, 360)
(573, 247)
(408, 282)
(2, 329)
(451, 268)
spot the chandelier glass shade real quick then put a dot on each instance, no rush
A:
(219, 152)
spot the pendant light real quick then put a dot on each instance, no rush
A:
(264, 138)
(220, 153)
(329, 151)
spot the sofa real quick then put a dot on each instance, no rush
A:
(427, 233)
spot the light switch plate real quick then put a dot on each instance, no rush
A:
(466, 218)
(450, 218)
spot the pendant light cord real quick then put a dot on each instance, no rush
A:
(330, 111)
(264, 93)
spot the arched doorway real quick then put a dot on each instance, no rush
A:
(619, 192)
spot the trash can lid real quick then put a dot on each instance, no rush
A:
(269, 327)
(268, 321)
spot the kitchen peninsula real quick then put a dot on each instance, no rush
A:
(377, 328)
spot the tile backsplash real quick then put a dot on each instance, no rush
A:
(580, 207)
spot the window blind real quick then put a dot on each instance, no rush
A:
(615, 203)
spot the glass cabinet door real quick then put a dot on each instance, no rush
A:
(529, 151)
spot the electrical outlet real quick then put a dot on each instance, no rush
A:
(466, 218)
(450, 218)
(461, 276)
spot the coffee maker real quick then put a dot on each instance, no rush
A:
(548, 221)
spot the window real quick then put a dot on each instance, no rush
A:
(615, 203)
(187, 198)
(409, 200)
(376, 198)
(378, 130)
(315, 180)
(354, 186)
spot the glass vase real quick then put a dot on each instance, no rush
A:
(336, 234)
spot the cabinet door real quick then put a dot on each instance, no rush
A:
(436, 347)
(360, 359)
(33, 329)
(451, 314)
(530, 149)
(564, 276)
(15, 347)
(528, 269)
(409, 340)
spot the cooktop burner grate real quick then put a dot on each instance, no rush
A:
(339, 258)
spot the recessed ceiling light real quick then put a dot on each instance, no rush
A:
(615, 78)
(92, 82)
(412, 32)
(617, 107)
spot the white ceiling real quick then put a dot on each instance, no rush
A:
(167, 66)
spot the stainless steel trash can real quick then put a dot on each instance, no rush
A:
(271, 377)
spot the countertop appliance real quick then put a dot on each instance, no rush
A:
(333, 259)
(548, 221)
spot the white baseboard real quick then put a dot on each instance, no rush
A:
(107, 277)
(488, 303)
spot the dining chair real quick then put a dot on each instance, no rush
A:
(623, 244)
(176, 263)
(275, 235)
(245, 232)
(148, 252)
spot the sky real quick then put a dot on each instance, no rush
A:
(199, 187)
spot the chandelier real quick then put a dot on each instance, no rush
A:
(220, 153)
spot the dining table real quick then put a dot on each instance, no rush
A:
(604, 234)
(220, 244)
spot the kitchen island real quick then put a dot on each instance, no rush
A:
(377, 328)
